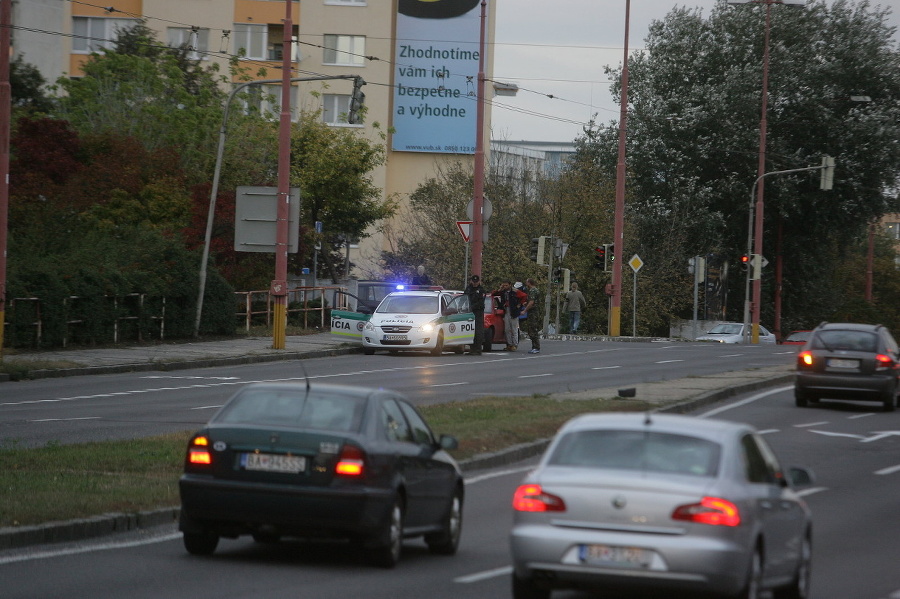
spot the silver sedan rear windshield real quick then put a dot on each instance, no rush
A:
(293, 409)
(638, 450)
(409, 304)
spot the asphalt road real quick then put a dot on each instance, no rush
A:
(115, 406)
(852, 447)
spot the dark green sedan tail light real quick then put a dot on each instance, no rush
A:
(198, 451)
(351, 463)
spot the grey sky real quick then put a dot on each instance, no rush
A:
(559, 48)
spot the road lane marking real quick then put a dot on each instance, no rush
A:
(855, 416)
(604, 367)
(889, 470)
(77, 550)
(808, 424)
(769, 431)
(531, 376)
(668, 361)
(448, 384)
(211, 378)
(830, 434)
(810, 491)
(479, 576)
(65, 419)
(750, 399)
(497, 474)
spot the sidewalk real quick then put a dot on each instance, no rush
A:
(174, 356)
(675, 396)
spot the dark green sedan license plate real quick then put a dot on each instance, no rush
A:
(270, 462)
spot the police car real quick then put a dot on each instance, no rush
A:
(423, 318)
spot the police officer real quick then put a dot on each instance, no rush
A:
(475, 292)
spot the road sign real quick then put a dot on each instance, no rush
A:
(465, 229)
(487, 209)
(635, 263)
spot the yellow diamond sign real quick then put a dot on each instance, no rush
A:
(635, 263)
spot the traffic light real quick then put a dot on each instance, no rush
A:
(610, 254)
(755, 266)
(537, 249)
(745, 262)
(826, 178)
(600, 257)
(557, 275)
(357, 101)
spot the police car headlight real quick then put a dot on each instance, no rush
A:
(428, 327)
(369, 327)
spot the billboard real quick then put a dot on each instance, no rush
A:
(436, 76)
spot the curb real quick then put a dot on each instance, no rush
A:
(182, 364)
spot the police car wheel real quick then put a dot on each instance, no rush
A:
(438, 346)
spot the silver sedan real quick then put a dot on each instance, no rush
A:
(653, 502)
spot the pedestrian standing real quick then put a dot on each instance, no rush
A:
(511, 304)
(533, 320)
(575, 304)
(475, 292)
(420, 278)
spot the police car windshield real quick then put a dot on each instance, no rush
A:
(409, 304)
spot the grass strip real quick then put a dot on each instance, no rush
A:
(64, 482)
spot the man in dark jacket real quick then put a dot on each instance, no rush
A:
(475, 292)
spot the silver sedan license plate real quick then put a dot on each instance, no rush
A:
(270, 462)
(611, 555)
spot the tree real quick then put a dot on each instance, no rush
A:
(693, 135)
(27, 87)
(144, 90)
(332, 167)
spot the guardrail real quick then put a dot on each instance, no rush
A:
(137, 316)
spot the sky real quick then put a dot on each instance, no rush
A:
(559, 48)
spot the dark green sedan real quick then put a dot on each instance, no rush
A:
(321, 461)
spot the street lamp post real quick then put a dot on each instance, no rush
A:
(755, 303)
(478, 191)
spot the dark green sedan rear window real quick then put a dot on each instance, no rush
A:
(846, 340)
(638, 450)
(295, 409)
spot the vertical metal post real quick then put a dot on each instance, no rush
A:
(615, 304)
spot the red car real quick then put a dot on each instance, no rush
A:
(494, 328)
(796, 338)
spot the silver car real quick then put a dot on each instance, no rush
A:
(664, 503)
(733, 332)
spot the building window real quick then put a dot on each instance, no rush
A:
(196, 41)
(347, 2)
(252, 39)
(346, 50)
(266, 99)
(892, 230)
(92, 34)
(335, 108)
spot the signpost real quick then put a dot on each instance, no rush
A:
(635, 263)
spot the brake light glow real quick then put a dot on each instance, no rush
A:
(351, 462)
(197, 452)
(805, 358)
(883, 362)
(532, 498)
(711, 510)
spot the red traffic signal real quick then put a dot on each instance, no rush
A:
(600, 257)
(745, 262)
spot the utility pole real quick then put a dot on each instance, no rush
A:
(478, 192)
(279, 283)
(5, 108)
(615, 300)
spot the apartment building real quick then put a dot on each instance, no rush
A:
(420, 60)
